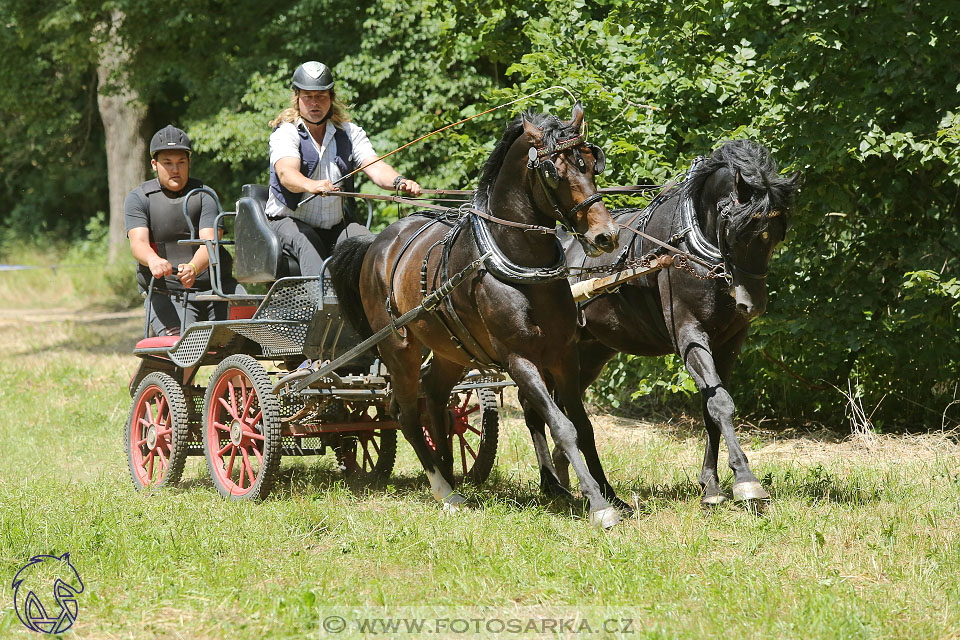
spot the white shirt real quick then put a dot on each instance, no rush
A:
(325, 212)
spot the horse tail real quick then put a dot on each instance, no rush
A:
(345, 265)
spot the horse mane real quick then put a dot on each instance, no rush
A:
(758, 169)
(553, 129)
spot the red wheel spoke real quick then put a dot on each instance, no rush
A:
(463, 457)
(161, 406)
(244, 392)
(148, 409)
(474, 429)
(466, 399)
(256, 418)
(247, 401)
(233, 454)
(226, 405)
(163, 432)
(224, 450)
(247, 466)
(140, 443)
(150, 469)
(143, 463)
(221, 427)
(163, 461)
(259, 455)
(373, 441)
(464, 443)
(253, 435)
(471, 410)
(144, 423)
(233, 398)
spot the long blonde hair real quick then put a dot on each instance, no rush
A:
(291, 113)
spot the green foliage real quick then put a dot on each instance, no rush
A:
(868, 113)
(860, 96)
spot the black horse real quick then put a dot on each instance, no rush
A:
(731, 211)
(517, 315)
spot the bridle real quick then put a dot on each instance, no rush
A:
(704, 248)
(724, 209)
(541, 161)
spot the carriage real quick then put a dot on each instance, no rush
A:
(256, 407)
(259, 404)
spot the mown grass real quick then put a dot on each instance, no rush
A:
(861, 540)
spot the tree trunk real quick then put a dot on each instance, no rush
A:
(123, 115)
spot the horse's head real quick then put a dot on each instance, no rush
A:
(745, 204)
(560, 170)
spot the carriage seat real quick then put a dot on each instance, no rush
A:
(259, 254)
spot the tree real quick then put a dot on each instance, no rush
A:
(123, 115)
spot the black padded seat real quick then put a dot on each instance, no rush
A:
(259, 255)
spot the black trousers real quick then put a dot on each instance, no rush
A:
(310, 246)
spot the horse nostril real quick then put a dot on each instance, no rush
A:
(606, 241)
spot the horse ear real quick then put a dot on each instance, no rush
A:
(576, 118)
(796, 180)
(534, 133)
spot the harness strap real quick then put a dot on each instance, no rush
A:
(464, 341)
(393, 269)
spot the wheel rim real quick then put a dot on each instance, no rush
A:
(362, 453)
(235, 424)
(150, 436)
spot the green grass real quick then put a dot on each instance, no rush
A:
(862, 539)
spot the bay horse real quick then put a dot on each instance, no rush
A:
(731, 211)
(517, 314)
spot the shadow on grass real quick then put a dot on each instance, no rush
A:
(816, 483)
(107, 336)
(306, 480)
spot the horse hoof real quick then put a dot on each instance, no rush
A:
(605, 518)
(453, 504)
(746, 491)
(709, 502)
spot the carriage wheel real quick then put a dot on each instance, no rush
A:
(367, 456)
(156, 432)
(241, 431)
(475, 430)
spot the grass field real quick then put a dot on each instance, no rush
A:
(862, 539)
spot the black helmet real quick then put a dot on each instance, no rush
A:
(313, 76)
(169, 139)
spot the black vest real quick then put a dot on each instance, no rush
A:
(167, 226)
(309, 159)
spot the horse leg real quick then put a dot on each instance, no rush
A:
(533, 387)
(568, 389)
(718, 409)
(438, 380)
(593, 358)
(550, 484)
(402, 359)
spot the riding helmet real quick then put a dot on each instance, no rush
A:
(313, 76)
(169, 139)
